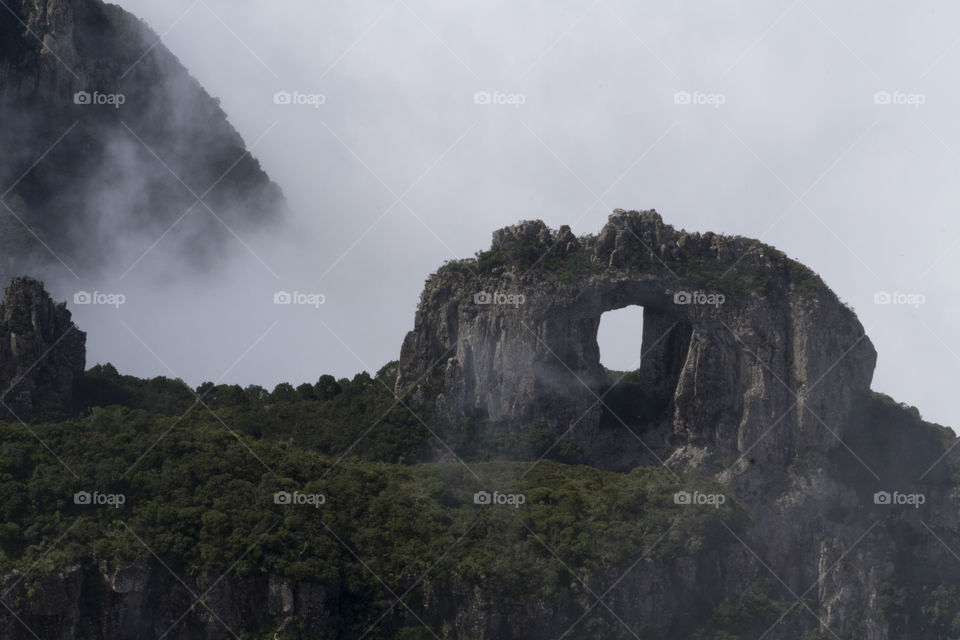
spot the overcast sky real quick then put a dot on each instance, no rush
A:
(399, 169)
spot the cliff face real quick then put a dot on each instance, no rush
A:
(139, 601)
(107, 136)
(741, 365)
(42, 353)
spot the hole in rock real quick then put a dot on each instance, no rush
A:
(620, 338)
(643, 352)
(626, 398)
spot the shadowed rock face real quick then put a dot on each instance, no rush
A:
(106, 136)
(763, 365)
(42, 353)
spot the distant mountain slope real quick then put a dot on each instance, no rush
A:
(109, 141)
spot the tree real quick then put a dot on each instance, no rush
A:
(283, 392)
(306, 391)
(327, 387)
(256, 394)
(361, 383)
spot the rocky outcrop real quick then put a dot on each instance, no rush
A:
(750, 353)
(754, 372)
(106, 136)
(42, 353)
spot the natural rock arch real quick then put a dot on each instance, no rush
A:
(751, 352)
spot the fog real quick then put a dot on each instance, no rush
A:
(391, 166)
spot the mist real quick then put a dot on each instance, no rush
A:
(416, 129)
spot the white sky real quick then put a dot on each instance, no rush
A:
(798, 154)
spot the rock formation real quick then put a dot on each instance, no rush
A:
(757, 374)
(42, 353)
(767, 364)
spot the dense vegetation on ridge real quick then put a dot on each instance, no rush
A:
(199, 478)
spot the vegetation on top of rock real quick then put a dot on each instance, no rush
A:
(749, 266)
(758, 269)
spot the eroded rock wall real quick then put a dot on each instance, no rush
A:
(42, 353)
(768, 363)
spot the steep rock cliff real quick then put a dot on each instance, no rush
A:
(107, 137)
(42, 353)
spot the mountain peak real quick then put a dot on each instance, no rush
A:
(110, 142)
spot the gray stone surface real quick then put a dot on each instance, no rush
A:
(772, 371)
(42, 353)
